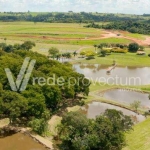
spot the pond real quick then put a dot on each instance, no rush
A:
(118, 76)
(127, 97)
(19, 141)
(97, 108)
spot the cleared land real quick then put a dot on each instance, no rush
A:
(71, 34)
(73, 37)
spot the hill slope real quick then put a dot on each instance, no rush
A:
(139, 139)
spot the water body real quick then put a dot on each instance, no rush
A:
(128, 97)
(118, 76)
(19, 141)
(97, 108)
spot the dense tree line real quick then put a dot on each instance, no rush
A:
(33, 106)
(106, 132)
(27, 45)
(131, 26)
(69, 17)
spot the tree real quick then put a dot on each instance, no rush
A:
(95, 47)
(82, 53)
(90, 54)
(2, 46)
(8, 48)
(75, 53)
(107, 131)
(27, 45)
(67, 55)
(13, 105)
(40, 126)
(133, 47)
(135, 105)
(30, 105)
(58, 56)
(119, 120)
(102, 53)
(53, 52)
(17, 47)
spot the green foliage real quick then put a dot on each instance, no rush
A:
(67, 55)
(53, 52)
(66, 17)
(131, 26)
(90, 54)
(82, 53)
(103, 53)
(8, 48)
(133, 47)
(27, 45)
(106, 132)
(13, 105)
(30, 105)
(135, 105)
(39, 126)
(119, 50)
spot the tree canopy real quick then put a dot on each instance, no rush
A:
(32, 105)
(106, 132)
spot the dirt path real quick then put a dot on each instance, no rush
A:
(104, 35)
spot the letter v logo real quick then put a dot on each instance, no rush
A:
(23, 76)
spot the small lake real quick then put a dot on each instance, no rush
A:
(118, 76)
(19, 141)
(97, 108)
(127, 97)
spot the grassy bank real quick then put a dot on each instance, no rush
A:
(128, 59)
(139, 138)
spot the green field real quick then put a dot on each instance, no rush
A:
(128, 59)
(71, 37)
(53, 33)
(139, 138)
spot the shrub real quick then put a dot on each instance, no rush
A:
(119, 50)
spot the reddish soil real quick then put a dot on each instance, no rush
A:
(106, 34)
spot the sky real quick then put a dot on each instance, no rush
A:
(102, 6)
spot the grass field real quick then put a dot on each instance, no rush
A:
(128, 59)
(135, 35)
(54, 33)
(139, 139)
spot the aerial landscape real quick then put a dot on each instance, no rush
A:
(74, 75)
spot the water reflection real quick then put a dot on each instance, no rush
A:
(128, 97)
(97, 108)
(19, 141)
(126, 75)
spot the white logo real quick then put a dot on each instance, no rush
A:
(23, 76)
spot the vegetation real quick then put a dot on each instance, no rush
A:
(133, 47)
(139, 137)
(135, 105)
(53, 52)
(70, 17)
(38, 103)
(131, 26)
(27, 45)
(33, 106)
(105, 133)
